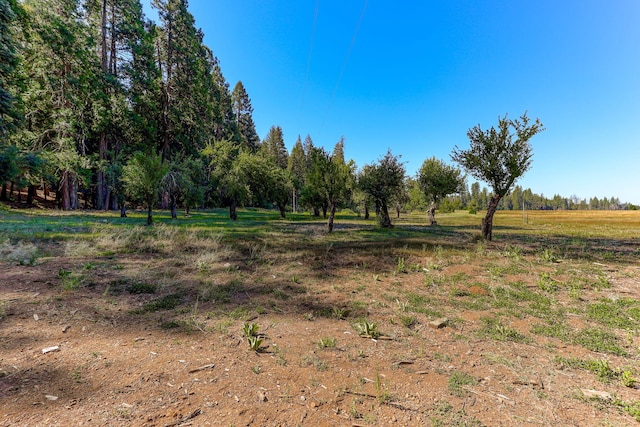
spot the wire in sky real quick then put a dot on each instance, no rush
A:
(346, 59)
(306, 77)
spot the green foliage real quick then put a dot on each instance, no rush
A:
(327, 342)
(167, 302)
(141, 288)
(329, 181)
(498, 156)
(458, 381)
(250, 330)
(142, 177)
(367, 329)
(599, 340)
(493, 328)
(437, 180)
(383, 181)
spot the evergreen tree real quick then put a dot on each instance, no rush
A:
(8, 63)
(61, 84)
(273, 147)
(297, 168)
(243, 113)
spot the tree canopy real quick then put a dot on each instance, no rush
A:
(498, 156)
(437, 180)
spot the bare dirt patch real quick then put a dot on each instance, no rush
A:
(154, 337)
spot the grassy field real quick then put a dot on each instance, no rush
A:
(416, 325)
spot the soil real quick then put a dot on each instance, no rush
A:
(100, 355)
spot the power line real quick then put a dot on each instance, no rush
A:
(306, 77)
(346, 60)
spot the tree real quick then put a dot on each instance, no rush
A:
(8, 64)
(243, 110)
(499, 157)
(61, 83)
(183, 183)
(331, 178)
(273, 147)
(438, 180)
(225, 175)
(382, 181)
(142, 176)
(297, 168)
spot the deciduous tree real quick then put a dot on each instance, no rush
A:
(382, 181)
(142, 177)
(438, 180)
(498, 156)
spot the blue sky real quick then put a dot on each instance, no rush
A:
(414, 76)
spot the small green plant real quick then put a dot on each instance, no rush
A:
(382, 395)
(514, 252)
(627, 379)
(327, 342)
(547, 283)
(549, 255)
(68, 280)
(367, 329)
(255, 343)
(401, 267)
(494, 329)
(459, 380)
(250, 330)
(340, 313)
(408, 321)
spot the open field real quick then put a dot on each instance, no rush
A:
(414, 326)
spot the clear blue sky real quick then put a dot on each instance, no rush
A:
(414, 76)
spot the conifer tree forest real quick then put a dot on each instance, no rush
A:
(101, 108)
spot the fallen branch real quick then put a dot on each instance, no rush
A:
(185, 419)
(202, 368)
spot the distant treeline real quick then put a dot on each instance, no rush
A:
(519, 198)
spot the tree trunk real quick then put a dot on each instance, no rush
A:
(64, 191)
(283, 211)
(332, 215)
(3, 195)
(325, 206)
(366, 212)
(233, 213)
(487, 221)
(150, 214)
(385, 220)
(73, 191)
(107, 199)
(398, 209)
(316, 211)
(173, 203)
(31, 194)
(431, 214)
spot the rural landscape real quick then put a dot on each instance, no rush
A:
(264, 321)
(163, 265)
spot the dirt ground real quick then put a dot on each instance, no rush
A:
(100, 355)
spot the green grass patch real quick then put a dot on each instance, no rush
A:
(494, 329)
(167, 302)
(600, 341)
